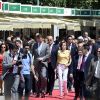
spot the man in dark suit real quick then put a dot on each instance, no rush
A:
(73, 50)
(78, 76)
(52, 64)
(93, 78)
(41, 54)
(92, 46)
(81, 72)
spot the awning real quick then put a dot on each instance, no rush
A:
(70, 27)
(61, 26)
(96, 23)
(22, 25)
(37, 22)
(5, 27)
(18, 25)
(37, 25)
(77, 28)
(88, 23)
(4, 20)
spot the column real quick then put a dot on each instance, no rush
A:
(55, 31)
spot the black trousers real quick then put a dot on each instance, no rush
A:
(8, 83)
(79, 84)
(25, 85)
(33, 83)
(97, 92)
(50, 78)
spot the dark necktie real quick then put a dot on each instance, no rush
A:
(83, 64)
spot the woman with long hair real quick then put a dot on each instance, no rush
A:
(2, 51)
(63, 61)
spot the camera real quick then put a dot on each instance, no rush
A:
(18, 63)
(19, 60)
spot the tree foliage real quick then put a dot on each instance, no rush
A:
(64, 3)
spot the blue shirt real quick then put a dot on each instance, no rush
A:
(26, 62)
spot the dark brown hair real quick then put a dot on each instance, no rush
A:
(61, 43)
(5, 46)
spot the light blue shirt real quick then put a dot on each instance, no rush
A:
(26, 65)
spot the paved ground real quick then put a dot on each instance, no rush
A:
(55, 96)
(1, 97)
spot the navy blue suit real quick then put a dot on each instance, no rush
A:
(51, 66)
(81, 76)
(73, 56)
(53, 56)
(72, 66)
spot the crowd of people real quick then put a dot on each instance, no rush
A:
(32, 66)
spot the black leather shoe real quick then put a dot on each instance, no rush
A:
(47, 92)
(42, 95)
(37, 96)
(50, 93)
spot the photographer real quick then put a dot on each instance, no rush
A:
(17, 74)
(8, 69)
(27, 63)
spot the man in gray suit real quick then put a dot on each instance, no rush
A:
(41, 54)
(93, 79)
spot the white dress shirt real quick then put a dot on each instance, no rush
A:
(79, 62)
(69, 47)
(39, 47)
(15, 68)
(86, 56)
(97, 71)
(90, 50)
(51, 47)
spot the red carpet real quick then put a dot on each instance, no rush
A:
(55, 96)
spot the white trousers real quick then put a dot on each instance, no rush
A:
(62, 76)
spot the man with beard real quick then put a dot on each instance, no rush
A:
(27, 66)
